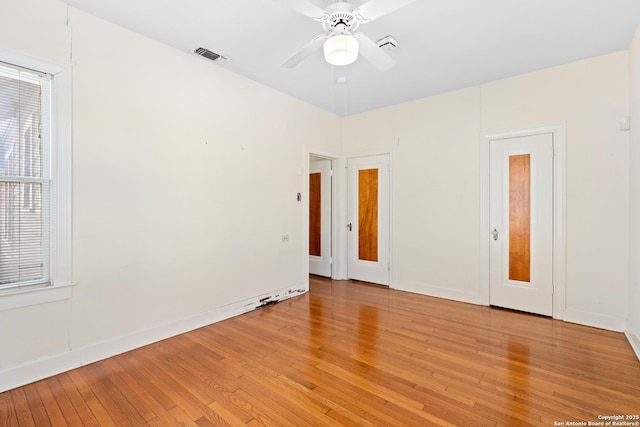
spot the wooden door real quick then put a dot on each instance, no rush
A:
(521, 216)
(368, 219)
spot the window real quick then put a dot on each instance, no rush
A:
(35, 181)
(25, 183)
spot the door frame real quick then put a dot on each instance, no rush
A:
(368, 153)
(326, 253)
(559, 212)
(334, 209)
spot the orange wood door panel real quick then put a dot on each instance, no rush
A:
(315, 214)
(368, 214)
(520, 217)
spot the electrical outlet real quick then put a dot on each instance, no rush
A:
(285, 238)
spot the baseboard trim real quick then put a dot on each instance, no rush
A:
(595, 320)
(439, 292)
(40, 369)
(634, 339)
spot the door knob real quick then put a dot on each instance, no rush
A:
(349, 226)
(495, 234)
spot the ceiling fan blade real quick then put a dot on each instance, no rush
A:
(370, 50)
(305, 7)
(305, 51)
(374, 9)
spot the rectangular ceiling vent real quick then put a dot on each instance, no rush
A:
(387, 43)
(206, 53)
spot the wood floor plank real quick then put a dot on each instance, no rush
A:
(100, 413)
(298, 402)
(9, 417)
(36, 406)
(50, 403)
(182, 418)
(19, 402)
(353, 354)
(153, 392)
(227, 417)
(64, 389)
(152, 367)
(136, 393)
(117, 405)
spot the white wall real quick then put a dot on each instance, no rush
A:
(184, 180)
(436, 142)
(37, 29)
(633, 325)
(590, 97)
(435, 196)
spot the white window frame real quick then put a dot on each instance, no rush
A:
(60, 287)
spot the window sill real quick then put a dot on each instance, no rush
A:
(17, 298)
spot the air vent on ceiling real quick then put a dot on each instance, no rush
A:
(209, 54)
(387, 43)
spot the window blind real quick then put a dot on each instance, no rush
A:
(25, 184)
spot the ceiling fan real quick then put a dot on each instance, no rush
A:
(340, 44)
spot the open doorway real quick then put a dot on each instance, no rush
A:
(321, 219)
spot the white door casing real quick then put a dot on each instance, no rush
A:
(374, 269)
(534, 292)
(321, 265)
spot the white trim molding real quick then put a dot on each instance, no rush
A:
(61, 221)
(16, 298)
(337, 266)
(440, 292)
(633, 337)
(595, 320)
(392, 204)
(559, 212)
(61, 160)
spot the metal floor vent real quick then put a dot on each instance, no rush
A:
(208, 54)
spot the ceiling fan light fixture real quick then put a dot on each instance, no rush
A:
(341, 49)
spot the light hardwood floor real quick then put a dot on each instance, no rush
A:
(350, 354)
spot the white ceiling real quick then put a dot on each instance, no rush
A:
(443, 45)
